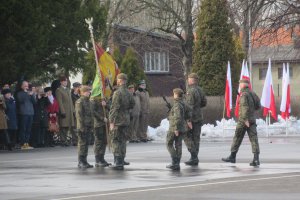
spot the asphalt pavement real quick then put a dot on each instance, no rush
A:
(52, 173)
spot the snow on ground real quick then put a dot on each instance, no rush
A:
(292, 127)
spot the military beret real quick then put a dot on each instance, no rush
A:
(85, 88)
(6, 91)
(47, 89)
(130, 86)
(122, 76)
(178, 91)
(193, 75)
(76, 85)
(244, 81)
(142, 82)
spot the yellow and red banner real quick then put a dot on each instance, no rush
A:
(106, 73)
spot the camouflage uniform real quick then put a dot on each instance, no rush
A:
(177, 123)
(84, 124)
(99, 130)
(196, 100)
(134, 119)
(144, 114)
(246, 112)
(119, 115)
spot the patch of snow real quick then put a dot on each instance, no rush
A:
(292, 126)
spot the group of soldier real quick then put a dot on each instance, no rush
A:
(113, 123)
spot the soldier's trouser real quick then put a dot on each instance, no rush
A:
(143, 126)
(192, 138)
(100, 140)
(239, 135)
(133, 130)
(118, 141)
(83, 141)
(174, 144)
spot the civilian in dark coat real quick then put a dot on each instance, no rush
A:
(11, 114)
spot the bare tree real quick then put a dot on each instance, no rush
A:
(175, 17)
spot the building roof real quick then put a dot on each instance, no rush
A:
(148, 32)
(281, 53)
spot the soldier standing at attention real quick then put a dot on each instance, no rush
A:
(177, 128)
(119, 118)
(196, 100)
(145, 110)
(100, 110)
(134, 116)
(249, 102)
(84, 117)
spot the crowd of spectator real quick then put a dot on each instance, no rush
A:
(32, 116)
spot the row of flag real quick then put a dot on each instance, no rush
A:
(267, 98)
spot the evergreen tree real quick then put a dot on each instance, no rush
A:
(214, 47)
(131, 67)
(117, 56)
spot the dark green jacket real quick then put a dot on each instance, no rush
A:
(196, 100)
(84, 115)
(246, 109)
(98, 112)
(122, 102)
(177, 116)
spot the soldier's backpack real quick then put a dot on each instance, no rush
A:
(256, 100)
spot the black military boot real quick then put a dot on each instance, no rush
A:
(88, 165)
(118, 165)
(230, 158)
(255, 161)
(81, 163)
(175, 165)
(193, 161)
(125, 162)
(100, 161)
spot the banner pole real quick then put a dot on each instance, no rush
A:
(89, 21)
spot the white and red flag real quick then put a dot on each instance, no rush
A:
(228, 92)
(244, 75)
(268, 98)
(285, 106)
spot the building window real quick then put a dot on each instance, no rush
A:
(263, 73)
(156, 62)
(280, 72)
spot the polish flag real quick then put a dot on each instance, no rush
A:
(228, 92)
(267, 98)
(244, 75)
(285, 106)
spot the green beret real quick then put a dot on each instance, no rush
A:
(142, 82)
(178, 91)
(193, 75)
(130, 86)
(85, 88)
(122, 76)
(244, 81)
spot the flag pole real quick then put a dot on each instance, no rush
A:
(89, 21)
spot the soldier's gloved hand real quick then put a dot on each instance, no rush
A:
(63, 115)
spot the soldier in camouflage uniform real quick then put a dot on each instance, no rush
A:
(177, 128)
(196, 100)
(246, 122)
(134, 116)
(119, 118)
(100, 110)
(84, 117)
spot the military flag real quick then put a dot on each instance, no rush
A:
(106, 73)
(267, 98)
